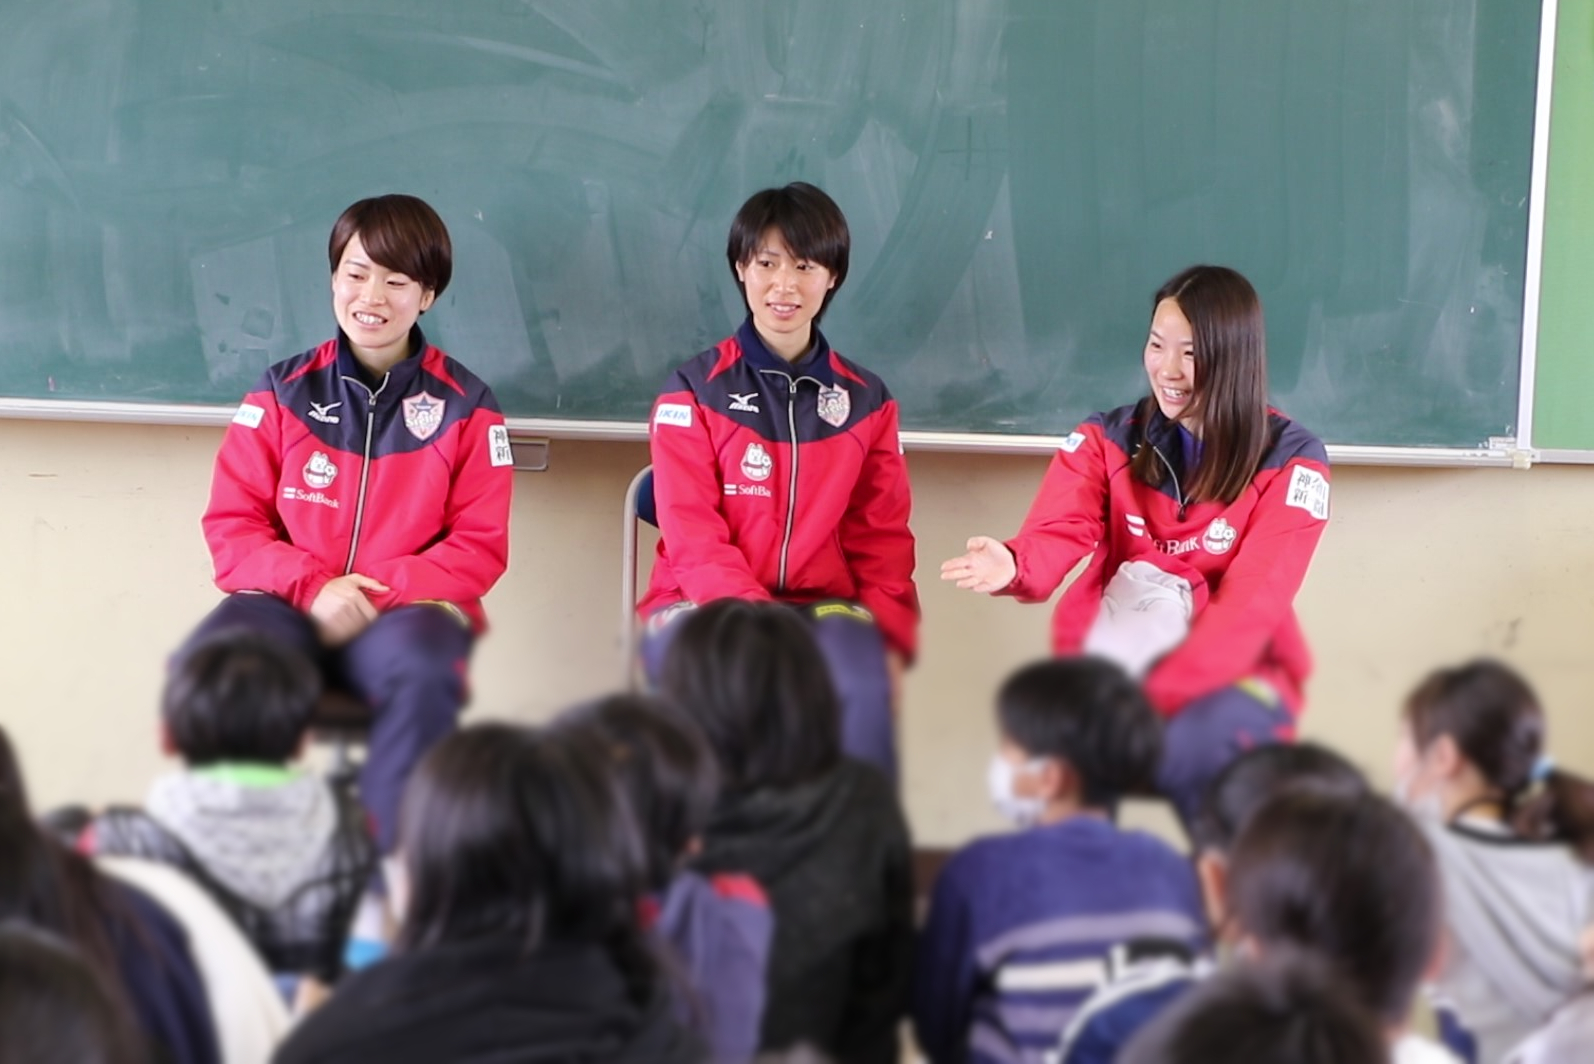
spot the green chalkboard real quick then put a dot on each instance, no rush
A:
(1565, 374)
(1019, 177)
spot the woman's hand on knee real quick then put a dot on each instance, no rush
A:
(341, 611)
(988, 566)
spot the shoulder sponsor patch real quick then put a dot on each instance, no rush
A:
(249, 415)
(498, 450)
(1308, 491)
(1072, 441)
(677, 414)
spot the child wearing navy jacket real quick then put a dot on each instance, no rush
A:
(1021, 925)
(715, 929)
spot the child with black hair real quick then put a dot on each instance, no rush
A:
(1351, 882)
(55, 1008)
(1514, 836)
(822, 834)
(280, 851)
(717, 928)
(1021, 925)
(137, 951)
(1149, 975)
(520, 940)
(1289, 1013)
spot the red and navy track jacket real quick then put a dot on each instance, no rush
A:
(406, 481)
(782, 481)
(1253, 552)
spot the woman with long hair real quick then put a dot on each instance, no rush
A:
(1202, 480)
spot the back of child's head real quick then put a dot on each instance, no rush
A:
(752, 677)
(665, 769)
(1292, 1012)
(401, 233)
(240, 696)
(517, 835)
(55, 1008)
(1258, 776)
(1088, 713)
(49, 887)
(808, 221)
(1348, 880)
(1497, 724)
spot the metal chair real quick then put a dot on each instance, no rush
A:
(640, 506)
(342, 719)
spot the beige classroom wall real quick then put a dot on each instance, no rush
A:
(104, 570)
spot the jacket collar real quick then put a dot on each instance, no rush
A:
(815, 364)
(400, 377)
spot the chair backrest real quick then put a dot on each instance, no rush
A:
(640, 505)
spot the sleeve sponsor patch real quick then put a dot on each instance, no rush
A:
(1308, 491)
(249, 415)
(677, 414)
(498, 449)
(1072, 441)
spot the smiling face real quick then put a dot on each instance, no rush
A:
(376, 307)
(1171, 364)
(784, 293)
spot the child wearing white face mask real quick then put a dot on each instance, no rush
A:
(1021, 925)
(1514, 838)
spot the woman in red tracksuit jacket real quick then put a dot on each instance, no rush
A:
(1203, 470)
(778, 472)
(359, 508)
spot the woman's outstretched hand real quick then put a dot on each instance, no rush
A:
(988, 566)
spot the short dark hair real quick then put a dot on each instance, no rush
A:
(665, 769)
(240, 696)
(521, 834)
(1350, 881)
(1088, 712)
(752, 677)
(1258, 776)
(401, 233)
(808, 220)
(55, 1008)
(1267, 1013)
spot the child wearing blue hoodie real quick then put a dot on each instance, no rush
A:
(1022, 926)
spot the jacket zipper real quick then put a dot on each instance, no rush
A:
(791, 492)
(365, 466)
(1178, 491)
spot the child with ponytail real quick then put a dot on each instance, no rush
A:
(1514, 837)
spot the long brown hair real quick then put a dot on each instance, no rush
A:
(1230, 400)
(1494, 718)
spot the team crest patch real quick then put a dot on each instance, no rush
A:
(319, 472)
(834, 406)
(498, 449)
(756, 463)
(1220, 537)
(1308, 491)
(423, 415)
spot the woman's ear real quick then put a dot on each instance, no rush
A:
(428, 297)
(1057, 781)
(1445, 758)
(1212, 871)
